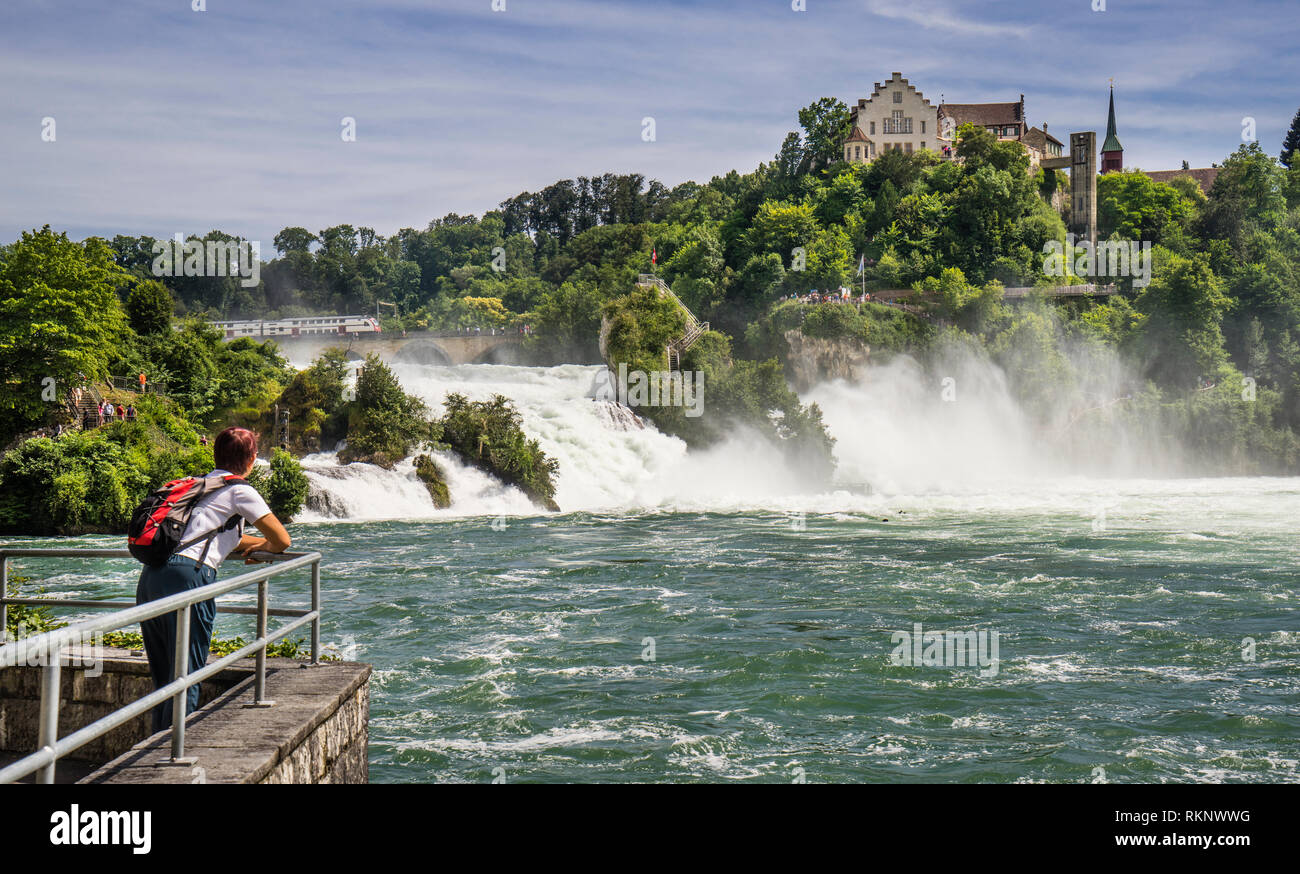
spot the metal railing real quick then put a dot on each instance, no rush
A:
(694, 327)
(1085, 290)
(132, 383)
(46, 649)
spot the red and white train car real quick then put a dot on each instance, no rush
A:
(271, 328)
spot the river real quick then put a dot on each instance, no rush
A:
(696, 617)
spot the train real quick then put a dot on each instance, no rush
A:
(299, 327)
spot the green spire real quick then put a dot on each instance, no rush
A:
(1112, 141)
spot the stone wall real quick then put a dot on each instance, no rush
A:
(89, 691)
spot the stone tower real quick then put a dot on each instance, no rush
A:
(1083, 184)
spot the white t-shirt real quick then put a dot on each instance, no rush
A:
(213, 511)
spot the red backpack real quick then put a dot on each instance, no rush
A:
(154, 534)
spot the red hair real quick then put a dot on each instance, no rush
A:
(234, 449)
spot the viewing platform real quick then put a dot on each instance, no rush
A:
(72, 710)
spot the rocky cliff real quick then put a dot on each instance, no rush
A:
(810, 360)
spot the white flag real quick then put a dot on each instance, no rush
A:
(862, 264)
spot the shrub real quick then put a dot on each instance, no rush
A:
(283, 485)
(487, 435)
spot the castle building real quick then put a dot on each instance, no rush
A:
(1006, 121)
(1112, 153)
(895, 116)
(1040, 145)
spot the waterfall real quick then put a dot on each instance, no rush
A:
(609, 458)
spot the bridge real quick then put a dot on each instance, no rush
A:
(415, 347)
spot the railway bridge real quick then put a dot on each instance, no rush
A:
(415, 347)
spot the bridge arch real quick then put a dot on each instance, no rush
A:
(502, 353)
(421, 352)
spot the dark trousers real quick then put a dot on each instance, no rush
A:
(178, 575)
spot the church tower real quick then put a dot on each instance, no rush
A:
(1112, 153)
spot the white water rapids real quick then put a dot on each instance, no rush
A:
(893, 432)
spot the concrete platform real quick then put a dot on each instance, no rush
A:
(317, 732)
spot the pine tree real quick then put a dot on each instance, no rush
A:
(1292, 140)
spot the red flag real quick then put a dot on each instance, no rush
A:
(654, 256)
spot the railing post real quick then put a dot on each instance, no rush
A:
(260, 682)
(48, 726)
(315, 606)
(4, 593)
(180, 668)
(259, 679)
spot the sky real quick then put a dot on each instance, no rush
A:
(168, 119)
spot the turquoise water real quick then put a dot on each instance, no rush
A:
(523, 653)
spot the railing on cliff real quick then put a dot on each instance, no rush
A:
(127, 383)
(694, 327)
(46, 650)
(1087, 290)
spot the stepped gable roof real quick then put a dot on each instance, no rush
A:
(1204, 176)
(982, 114)
(877, 87)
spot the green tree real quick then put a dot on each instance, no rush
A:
(1184, 305)
(187, 360)
(1136, 207)
(385, 423)
(825, 125)
(149, 307)
(1291, 142)
(294, 240)
(487, 434)
(59, 317)
(283, 484)
(781, 228)
(1247, 193)
(566, 322)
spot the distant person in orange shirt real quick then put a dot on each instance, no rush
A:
(142, 381)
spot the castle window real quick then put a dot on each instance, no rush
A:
(898, 96)
(873, 128)
(909, 148)
(922, 127)
(857, 151)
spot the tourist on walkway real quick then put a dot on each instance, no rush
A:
(130, 413)
(196, 565)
